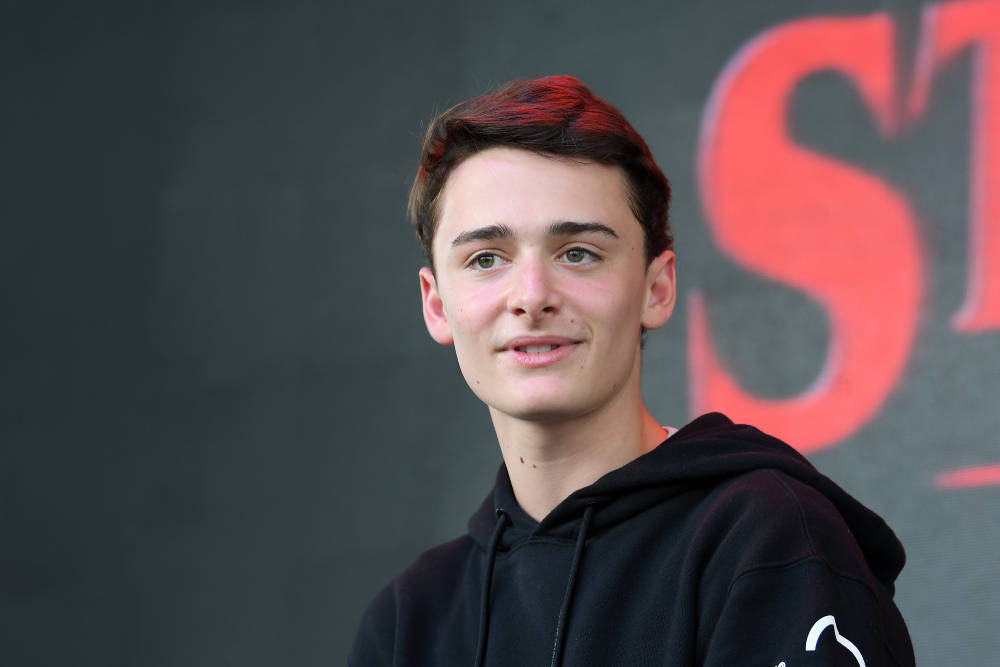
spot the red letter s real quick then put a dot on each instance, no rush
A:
(797, 217)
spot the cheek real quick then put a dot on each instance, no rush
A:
(616, 304)
(475, 311)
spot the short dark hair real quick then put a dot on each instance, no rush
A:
(553, 115)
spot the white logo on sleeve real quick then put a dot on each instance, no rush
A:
(817, 630)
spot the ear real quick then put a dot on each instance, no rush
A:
(661, 291)
(434, 316)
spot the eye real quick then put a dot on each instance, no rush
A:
(579, 256)
(484, 261)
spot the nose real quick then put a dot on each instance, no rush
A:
(532, 292)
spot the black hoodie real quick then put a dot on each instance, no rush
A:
(723, 546)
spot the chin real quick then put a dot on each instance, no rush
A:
(542, 400)
(542, 410)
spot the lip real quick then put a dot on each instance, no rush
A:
(564, 348)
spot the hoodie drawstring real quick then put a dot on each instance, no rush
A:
(484, 609)
(581, 538)
(491, 555)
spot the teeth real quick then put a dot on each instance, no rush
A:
(539, 349)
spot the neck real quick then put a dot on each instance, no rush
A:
(547, 461)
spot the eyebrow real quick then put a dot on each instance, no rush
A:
(571, 228)
(488, 233)
(563, 228)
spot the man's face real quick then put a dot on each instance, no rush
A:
(541, 283)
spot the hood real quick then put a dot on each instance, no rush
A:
(703, 453)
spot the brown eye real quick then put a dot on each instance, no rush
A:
(578, 256)
(485, 261)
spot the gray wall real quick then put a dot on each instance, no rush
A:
(223, 427)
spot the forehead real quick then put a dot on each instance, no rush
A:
(527, 192)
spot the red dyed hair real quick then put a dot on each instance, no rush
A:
(553, 115)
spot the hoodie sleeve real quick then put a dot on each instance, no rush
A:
(373, 643)
(789, 585)
(803, 615)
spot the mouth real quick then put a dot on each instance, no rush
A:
(540, 352)
(535, 349)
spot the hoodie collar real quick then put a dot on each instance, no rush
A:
(706, 451)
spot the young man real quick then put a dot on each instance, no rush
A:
(607, 539)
